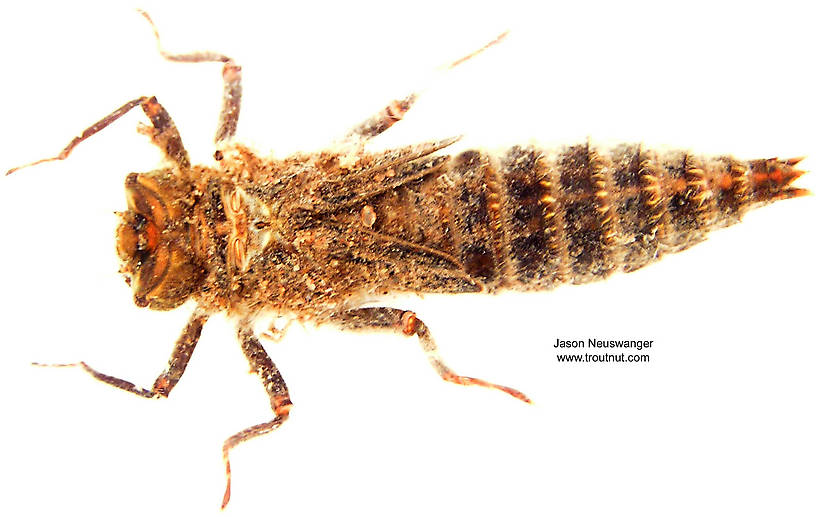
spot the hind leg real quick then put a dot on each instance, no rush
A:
(406, 322)
(395, 110)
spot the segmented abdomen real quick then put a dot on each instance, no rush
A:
(579, 215)
(533, 220)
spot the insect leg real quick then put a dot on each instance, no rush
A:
(168, 379)
(163, 133)
(396, 320)
(231, 107)
(397, 108)
(381, 121)
(276, 389)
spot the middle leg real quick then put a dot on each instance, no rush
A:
(231, 107)
(261, 365)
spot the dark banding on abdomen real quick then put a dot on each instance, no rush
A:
(534, 224)
(688, 200)
(640, 205)
(476, 209)
(589, 220)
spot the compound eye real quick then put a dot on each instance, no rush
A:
(127, 239)
(139, 222)
(146, 233)
(138, 225)
(138, 237)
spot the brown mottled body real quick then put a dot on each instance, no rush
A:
(316, 236)
(303, 236)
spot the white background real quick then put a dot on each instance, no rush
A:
(719, 422)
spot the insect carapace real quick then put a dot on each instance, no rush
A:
(317, 236)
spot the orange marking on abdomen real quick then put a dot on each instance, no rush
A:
(725, 182)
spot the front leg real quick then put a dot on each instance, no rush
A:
(164, 133)
(167, 380)
(261, 365)
(406, 322)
